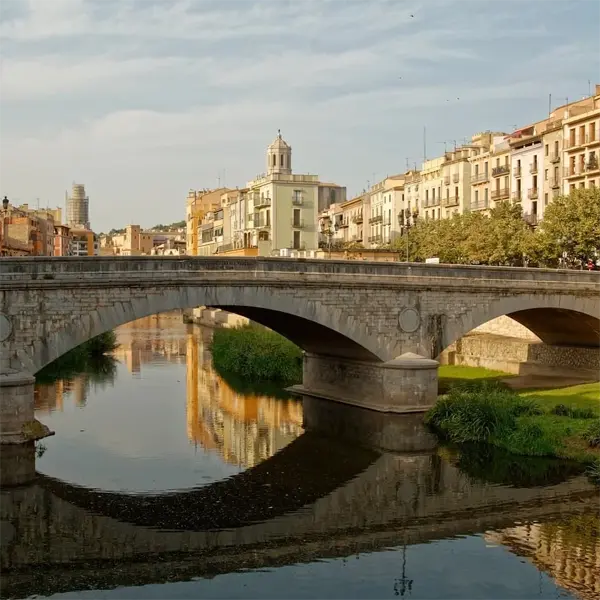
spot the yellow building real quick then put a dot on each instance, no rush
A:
(581, 139)
(282, 206)
(353, 215)
(198, 204)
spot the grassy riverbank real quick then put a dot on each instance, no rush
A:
(89, 357)
(254, 353)
(563, 423)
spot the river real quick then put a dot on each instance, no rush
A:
(164, 482)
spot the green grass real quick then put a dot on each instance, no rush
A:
(561, 423)
(449, 375)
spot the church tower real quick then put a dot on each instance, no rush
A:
(279, 157)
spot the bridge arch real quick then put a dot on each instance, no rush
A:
(311, 325)
(562, 320)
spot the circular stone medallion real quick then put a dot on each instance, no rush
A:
(5, 327)
(409, 320)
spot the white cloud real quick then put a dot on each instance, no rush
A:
(142, 99)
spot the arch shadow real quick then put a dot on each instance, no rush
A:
(311, 325)
(556, 320)
(294, 477)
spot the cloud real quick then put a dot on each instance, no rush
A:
(142, 99)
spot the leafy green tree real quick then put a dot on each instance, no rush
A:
(572, 225)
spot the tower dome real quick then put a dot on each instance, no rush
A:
(279, 157)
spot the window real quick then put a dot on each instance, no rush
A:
(296, 217)
(535, 182)
(556, 147)
(534, 208)
(274, 161)
(296, 240)
(485, 196)
(546, 199)
(546, 150)
(476, 196)
(281, 160)
(268, 217)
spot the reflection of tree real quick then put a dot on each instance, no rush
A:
(568, 549)
(98, 372)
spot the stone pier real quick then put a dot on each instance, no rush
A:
(406, 384)
(19, 428)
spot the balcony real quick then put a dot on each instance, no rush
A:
(480, 178)
(533, 168)
(531, 219)
(261, 223)
(343, 224)
(298, 223)
(480, 205)
(517, 171)
(554, 157)
(455, 178)
(592, 165)
(532, 193)
(500, 194)
(447, 180)
(297, 200)
(554, 182)
(357, 218)
(451, 201)
(259, 202)
(375, 239)
(376, 219)
(501, 170)
(574, 171)
(516, 196)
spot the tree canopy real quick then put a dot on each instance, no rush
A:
(571, 225)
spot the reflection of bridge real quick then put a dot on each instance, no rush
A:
(358, 501)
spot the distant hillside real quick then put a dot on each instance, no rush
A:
(171, 227)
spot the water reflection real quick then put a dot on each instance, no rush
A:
(228, 484)
(241, 428)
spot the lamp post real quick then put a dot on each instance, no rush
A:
(329, 230)
(5, 203)
(404, 218)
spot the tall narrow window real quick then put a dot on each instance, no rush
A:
(296, 217)
(296, 240)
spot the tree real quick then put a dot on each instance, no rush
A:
(571, 225)
(509, 236)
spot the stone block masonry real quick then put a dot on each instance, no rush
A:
(371, 313)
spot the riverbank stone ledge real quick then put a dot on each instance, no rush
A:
(18, 424)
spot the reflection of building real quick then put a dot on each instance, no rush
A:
(52, 397)
(244, 428)
(568, 550)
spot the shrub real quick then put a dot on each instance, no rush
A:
(562, 410)
(479, 412)
(593, 471)
(256, 354)
(592, 434)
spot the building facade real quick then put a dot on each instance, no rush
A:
(78, 208)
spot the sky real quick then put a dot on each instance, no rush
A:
(143, 100)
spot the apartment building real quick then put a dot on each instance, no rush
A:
(353, 215)
(26, 231)
(62, 240)
(83, 242)
(527, 159)
(330, 193)
(135, 241)
(198, 204)
(500, 156)
(484, 163)
(581, 144)
(457, 182)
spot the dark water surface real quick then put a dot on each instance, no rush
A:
(163, 482)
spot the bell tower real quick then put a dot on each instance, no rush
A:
(279, 157)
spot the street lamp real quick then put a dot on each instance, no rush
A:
(328, 230)
(5, 203)
(404, 218)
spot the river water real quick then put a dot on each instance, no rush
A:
(163, 481)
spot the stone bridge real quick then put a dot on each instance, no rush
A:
(55, 535)
(370, 330)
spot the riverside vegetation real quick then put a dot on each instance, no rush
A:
(90, 357)
(475, 407)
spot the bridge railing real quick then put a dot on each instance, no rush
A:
(68, 268)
